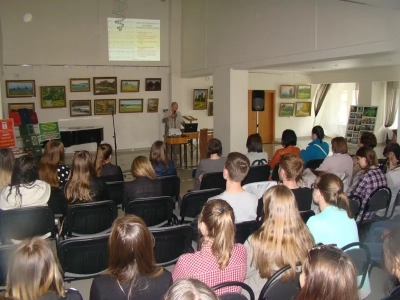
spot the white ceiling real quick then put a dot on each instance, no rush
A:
(390, 4)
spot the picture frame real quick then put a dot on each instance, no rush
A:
(153, 84)
(211, 94)
(77, 85)
(286, 109)
(200, 99)
(20, 88)
(130, 86)
(130, 106)
(303, 109)
(152, 105)
(287, 91)
(104, 85)
(104, 106)
(210, 109)
(14, 107)
(53, 96)
(80, 108)
(303, 92)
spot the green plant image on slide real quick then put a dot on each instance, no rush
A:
(370, 111)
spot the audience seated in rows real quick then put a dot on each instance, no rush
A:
(159, 160)
(190, 289)
(283, 239)
(103, 166)
(317, 148)
(6, 166)
(25, 189)
(132, 272)
(219, 259)
(255, 149)
(288, 142)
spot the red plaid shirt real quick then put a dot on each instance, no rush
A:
(202, 265)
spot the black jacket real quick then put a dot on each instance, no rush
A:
(111, 172)
(98, 190)
(141, 187)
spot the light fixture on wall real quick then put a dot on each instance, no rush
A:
(118, 9)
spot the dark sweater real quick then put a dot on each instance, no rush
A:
(160, 169)
(111, 172)
(141, 187)
(303, 198)
(70, 294)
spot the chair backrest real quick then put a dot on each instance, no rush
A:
(245, 229)
(395, 204)
(314, 163)
(171, 242)
(21, 223)
(57, 201)
(305, 215)
(91, 218)
(275, 289)
(6, 253)
(360, 255)
(83, 257)
(116, 191)
(394, 294)
(170, 186)
(379, 199)
(355, 205)
(257, 174)
(275, 174)
(234, 296)
(193, 202)
(213, 180)
(259, 162)
(153, 210)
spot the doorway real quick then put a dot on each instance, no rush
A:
(266, 118)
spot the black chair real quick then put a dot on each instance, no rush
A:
(275, 289)
(395, 204)
(116, 191)
(355, 205)
(259, 162)
(234, 296)
(394, 294)
(193, 202)
(170, 186)
(214, 180)
(83, 257)
(379, 199)
(257, 174)
(155, 211)
(361, 258)
(171, 242)
(91, 218)
(305, 215)
(22, 223)
(245, 229)
(275, 174)
(6, 252)
(314, 163)
(57, 202)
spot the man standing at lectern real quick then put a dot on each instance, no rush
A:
(173, 119)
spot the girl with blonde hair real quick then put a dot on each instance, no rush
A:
(189, 289)
(159, 160)
(283, 239)
(103, 166)
(51, 166)
(6, 166)
(219, 259)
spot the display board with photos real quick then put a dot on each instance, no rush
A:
(361, 119)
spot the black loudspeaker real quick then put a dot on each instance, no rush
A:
(257, 100)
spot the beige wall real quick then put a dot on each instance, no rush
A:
(2, 93)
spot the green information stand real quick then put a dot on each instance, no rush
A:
(49, 131)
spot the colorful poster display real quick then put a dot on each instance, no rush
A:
(7, 135)
(361, 118)
(49, 131)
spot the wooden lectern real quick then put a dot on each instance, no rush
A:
(205, 136)
(178, 140)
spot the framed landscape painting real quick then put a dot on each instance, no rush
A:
(152, 105)
(80, 108)
(14, 107)
(104, 85)
(200, 99)
(286, 109)
(130, 86)
(104, 106)
(130, 105)
(79, 84)
(211, 95)
(20, 88)
(287, 91)
(153, 84)
(303, 109)
(52, 97)
(303, 91)
(210, 109)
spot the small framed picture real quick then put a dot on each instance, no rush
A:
(153, 84)
(14, 107)
(200, 99)
(80, 108)
(79, 85)
(210, 109)
(104, 85)
(303, 109)
(130, 86)
(211, 94)
(286, 109)
(287, 91)
(20, 88)
(105, 106)
(130, 105)
(303, 91)
(152, 105)
(52, 97)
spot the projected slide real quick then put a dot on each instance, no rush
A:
(139, 40)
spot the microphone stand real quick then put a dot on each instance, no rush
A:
(115, 135)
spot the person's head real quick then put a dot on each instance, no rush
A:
(217, 226)
(367, 139)
(366, 157)
(25, 171)
(394, 153)
(103, 156)
(328, 189)
(214, 146)
(391, 252)
(290, 167)
(53, 155)
(174, 106)
(317, 133)
(141, 167)
(328, 273)
(158, 154)
(389, 148)
(6, 166)
(289, 138)
(339, 145)
(34, 271)
(283, 238)
(237, 166)
(254, 143)
(190, 289)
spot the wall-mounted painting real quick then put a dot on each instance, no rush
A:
(210, 109)
(130, 86)
(52, 97)
(303, 109)
(152, 105)
(200, 99)
(287, 91)
(14, 107)
(104, 85)
(104, 106)
(286, 109)
(20, 88)
(79, 84)
(211, 95)
(80, 108)
(303, 91)
(130, 105)
(153, 84)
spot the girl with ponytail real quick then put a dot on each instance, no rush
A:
(219, 259)
(104, 168)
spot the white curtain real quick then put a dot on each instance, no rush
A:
(391, 102)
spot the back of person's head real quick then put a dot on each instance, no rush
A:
(330, 187)
(391, 252)
(292, 165)
(283, 238)
(25, 171)
(254, 143)
(104, 152)
(237, 166)
(369, 154)
(289, 138)
(214, 146)
(6, 166)
(53, 155)
(158, 153)
(141, 167)
(390, 148)
(190, 289)
(368, 139)
(218, 219)
(34, 271)
(319, 132)
(339, 145)
(328, 273)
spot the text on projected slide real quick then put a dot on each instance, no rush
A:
(138, 40)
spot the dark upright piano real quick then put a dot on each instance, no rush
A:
(81, 135)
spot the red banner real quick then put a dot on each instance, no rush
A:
(7, 136)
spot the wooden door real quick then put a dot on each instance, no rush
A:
(266, 118)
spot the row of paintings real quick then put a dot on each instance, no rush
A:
(291, 92)
(303, 109)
